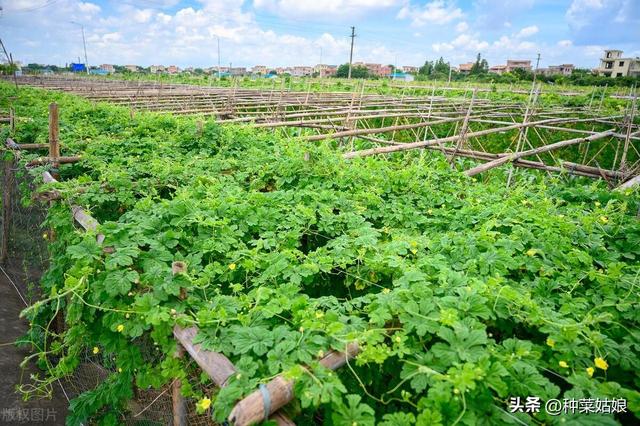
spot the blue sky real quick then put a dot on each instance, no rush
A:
(304, 32)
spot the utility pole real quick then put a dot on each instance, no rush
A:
(353, 36)
(449, 64)
(535, 73)
(218, 37)
(84, 44)
(321, 67)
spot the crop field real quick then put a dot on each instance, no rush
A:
(340, 257)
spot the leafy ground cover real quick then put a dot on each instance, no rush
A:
(461, 294)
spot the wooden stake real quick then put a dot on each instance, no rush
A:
(179, 403)
(54, 139)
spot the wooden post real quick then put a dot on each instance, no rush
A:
(12, 121)
(627, 139)
(54, 139)
(6, 209)
(178, 401)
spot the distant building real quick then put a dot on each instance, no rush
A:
(403, 76)
(132, 68)
(514, 64)
(465, 68)
(498, 69)
(324, 70)
(154, 69)
(378, 70)
(612, 64)
(78, 67)
(172, 69)
(238, 71)
(108, 68)
(410, 69)
(301, 71)
(564, 69)
(98, 71)
(259, 69)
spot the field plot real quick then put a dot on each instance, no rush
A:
(333, 258)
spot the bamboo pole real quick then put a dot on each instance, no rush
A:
(515, 156)
(422, 144)
(279, 391)
(215, 364)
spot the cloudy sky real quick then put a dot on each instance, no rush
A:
(304, 32)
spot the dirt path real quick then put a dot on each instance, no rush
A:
(14, 411)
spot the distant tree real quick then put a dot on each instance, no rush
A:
(356, 71)
(198, 71)
(480, 66)
(426, 69)
(441, 67)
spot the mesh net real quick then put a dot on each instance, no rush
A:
(24, 257)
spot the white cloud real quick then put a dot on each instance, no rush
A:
(435, 12)
(462, 27)
(528, 31)
(565, 43)
(89, 8)
(323, 8)
(142, 16)
(578, 13)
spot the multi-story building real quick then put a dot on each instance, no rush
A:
(108, 68)
(410, 69)
(259, 69)
(375, 69)
(238, 71)
(564, 69)
(154, 69)
(301, 71)
(324, 70)
(514, 64)
(465, 68)
(612, 64)
(132, 68)
(498, 69)
(172, 69)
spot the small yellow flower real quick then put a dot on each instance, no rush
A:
(386, 291)
(590, 371)
(601, 363)
(320, 353)
(563, 364)
(127, 315)
(551, 342)
(96, 350)
(45, 236)
(232, 266)
(204, 404)
(430, 211)
(531, 252)
(119, 370)
(414, 251)
(413, 244)
(604, 219)
(301, 329)
(319, 314)
(398, 339)
(120, 328)
(597, 203)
